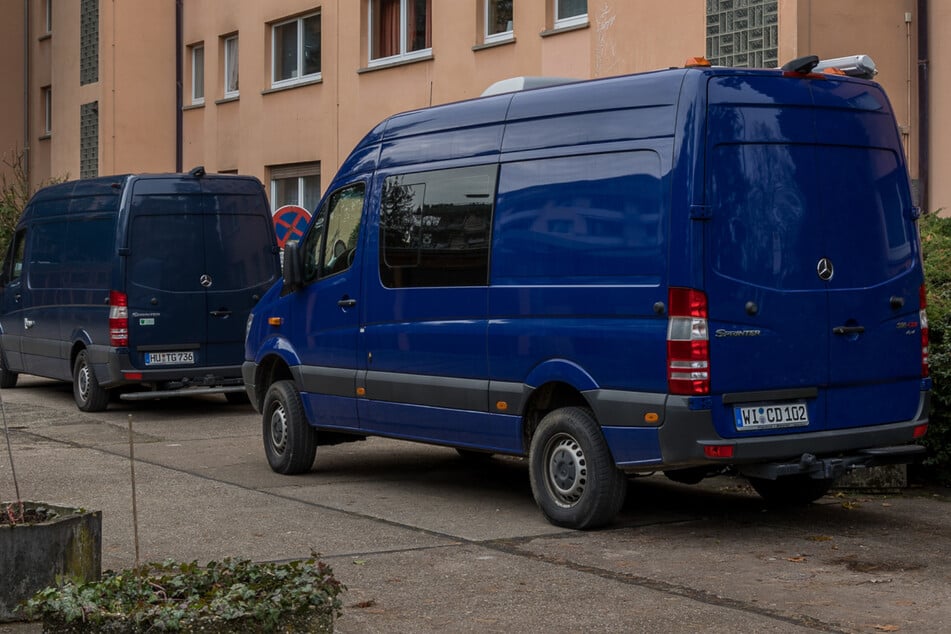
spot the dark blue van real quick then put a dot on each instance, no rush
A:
(689, 271)
(140, 281)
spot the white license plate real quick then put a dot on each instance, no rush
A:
(771, 416)
(169, 358)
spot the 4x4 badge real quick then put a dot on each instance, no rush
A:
(824, 269)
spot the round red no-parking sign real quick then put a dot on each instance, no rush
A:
(289, 223)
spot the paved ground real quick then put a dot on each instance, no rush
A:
(428, 542)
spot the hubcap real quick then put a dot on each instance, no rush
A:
(567, 470)
(279, 429)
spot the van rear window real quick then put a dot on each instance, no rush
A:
(175, 239)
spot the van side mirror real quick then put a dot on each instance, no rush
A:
(292, 265)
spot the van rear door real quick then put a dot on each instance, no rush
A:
(812, 262)
(201, 253)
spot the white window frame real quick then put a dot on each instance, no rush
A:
(492, 38)
(300, 79)
(198, 99)
(48, 17)
(569, 21)
(403, 55)
(232, 60)
(47, 110)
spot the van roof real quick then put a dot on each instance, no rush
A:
(550, 116)
(114, 185)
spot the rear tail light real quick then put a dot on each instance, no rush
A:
(923, 324)
(688, 344)
(118, 319)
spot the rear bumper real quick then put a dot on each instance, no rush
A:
(112, 369)
(685, 433)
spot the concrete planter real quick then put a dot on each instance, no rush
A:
(33, 555)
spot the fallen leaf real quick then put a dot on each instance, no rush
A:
(796, 560)
(887, 628)
(850, 506)
(359, 562)
(819, 538)
(364, 604)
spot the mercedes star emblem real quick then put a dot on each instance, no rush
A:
(206, 281)
(824, 269)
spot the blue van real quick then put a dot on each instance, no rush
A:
(136, 285)
(690, 271)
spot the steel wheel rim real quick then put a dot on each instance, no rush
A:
(566, 470)
(278, 429)
(82, 381)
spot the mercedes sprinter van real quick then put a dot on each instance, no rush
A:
(136, 280)
(690, 271)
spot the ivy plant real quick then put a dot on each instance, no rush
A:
(234, 595)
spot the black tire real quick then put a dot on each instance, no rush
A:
(574, 479)
(89, 395)
(797, 490)
(237, 398)
(7, 379)
(289, 441)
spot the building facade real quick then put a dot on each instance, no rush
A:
(283, 89)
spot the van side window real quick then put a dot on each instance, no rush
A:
(13, 267)
(331, 243)
(435, 227)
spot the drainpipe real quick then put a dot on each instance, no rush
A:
(27, 87)
(924, 101)
(178, 86)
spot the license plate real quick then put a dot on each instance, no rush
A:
(169, 358)
(771, 416)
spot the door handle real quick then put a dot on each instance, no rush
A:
(28, 323)
(848, 330)
(221, 312)
(347, 302)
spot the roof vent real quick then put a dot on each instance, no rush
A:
(516, 84)
(197, 172)
(803, 65)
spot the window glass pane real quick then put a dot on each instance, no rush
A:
(285, 51)
(310, 248)
(14, 267)
(343, 229)
(418, 35)
(284, 191)
(198, 73)
(238, 247)
(231, 65)
(165, 242)
(311, 192)
(498, 17)
(571, 8)
(46, 264)
(435, 227)
(311, 51)
(386, 19)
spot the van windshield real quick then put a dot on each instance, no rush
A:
(176, 239)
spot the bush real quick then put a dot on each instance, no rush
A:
(230, 596)
(936, 249)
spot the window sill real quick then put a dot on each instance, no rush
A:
(227, 100)
(558, 30)
(45, 137)
(485, 45)
(299, 84)
(45, 36)
(194, 106)
(396, 62)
